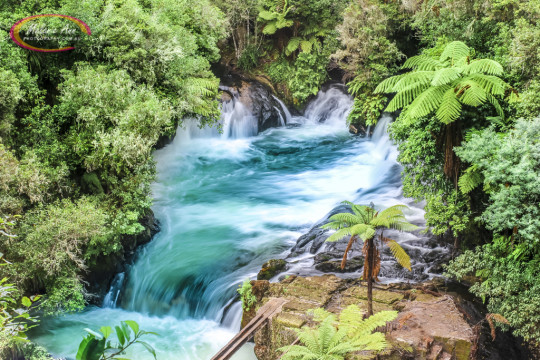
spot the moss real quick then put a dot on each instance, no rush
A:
(271, 268)
(381, 296)
(290, 320)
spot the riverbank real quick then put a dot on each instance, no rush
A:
(435, 321)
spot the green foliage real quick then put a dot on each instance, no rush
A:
(249, 58)
(309, 75)
(367, 55)
(333, 339)
(509, 166)
(77, 131)
(56, 242)
(424, 179)
(15, 318)
(305, 75)
(510, 288)
(97, 346)
(246, 295)
(442, 86)
(275, 19)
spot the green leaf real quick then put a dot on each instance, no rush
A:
(148, 347)
(125, 330)
(120, 335)
(106, 331)
(90, 348)
(26, 301)
(133, 325)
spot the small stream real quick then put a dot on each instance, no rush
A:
(226, 204)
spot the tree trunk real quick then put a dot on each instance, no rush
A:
(451, 160)
(371, 263)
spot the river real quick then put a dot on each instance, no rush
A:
(227, 203)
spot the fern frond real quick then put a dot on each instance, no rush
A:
(450, 107)
(491, 84)
(347, 218)
(445, 76)
(454, 51)
(388, 84)
(281, 23)
(292, 46)
(401, 256)
(270, 29)
(340, 234)
(470, 93)
(413, 78)
(364, 232)
(393, 210)
(267, 15)
(470, 179)
(426, 102)
(351, 319)
(307, 45)
(484, 66)
(405, 96)
(372, 342)
(422, 63)
(493, 101)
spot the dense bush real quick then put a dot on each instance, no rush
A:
(77, 130)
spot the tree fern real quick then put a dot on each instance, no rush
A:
(364, 223)
(441, 86)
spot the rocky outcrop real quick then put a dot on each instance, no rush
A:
(257, 97)
(101, 275)
(430, 325)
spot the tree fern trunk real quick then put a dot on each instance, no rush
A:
(451, 161)
(371, 265)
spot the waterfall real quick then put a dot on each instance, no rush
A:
(111, 298)
(286, 111)
(331, 107)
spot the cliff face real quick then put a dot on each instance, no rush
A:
(429, 325)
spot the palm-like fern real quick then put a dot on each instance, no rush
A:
(276, 19)
(442, 86)
(364, 223)
(309, 38)
(333, 340)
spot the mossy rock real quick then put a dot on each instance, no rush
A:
(271, 268)
(381, 296)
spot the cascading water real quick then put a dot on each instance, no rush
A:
(227, 203)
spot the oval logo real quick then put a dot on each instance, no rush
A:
(16, 28)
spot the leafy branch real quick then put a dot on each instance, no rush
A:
(96, 346)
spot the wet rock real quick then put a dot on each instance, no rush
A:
(101, 275)
(334, 266)
(256, 96)
(313, 239)
(271, 268)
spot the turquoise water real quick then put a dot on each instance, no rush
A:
(227, 203)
